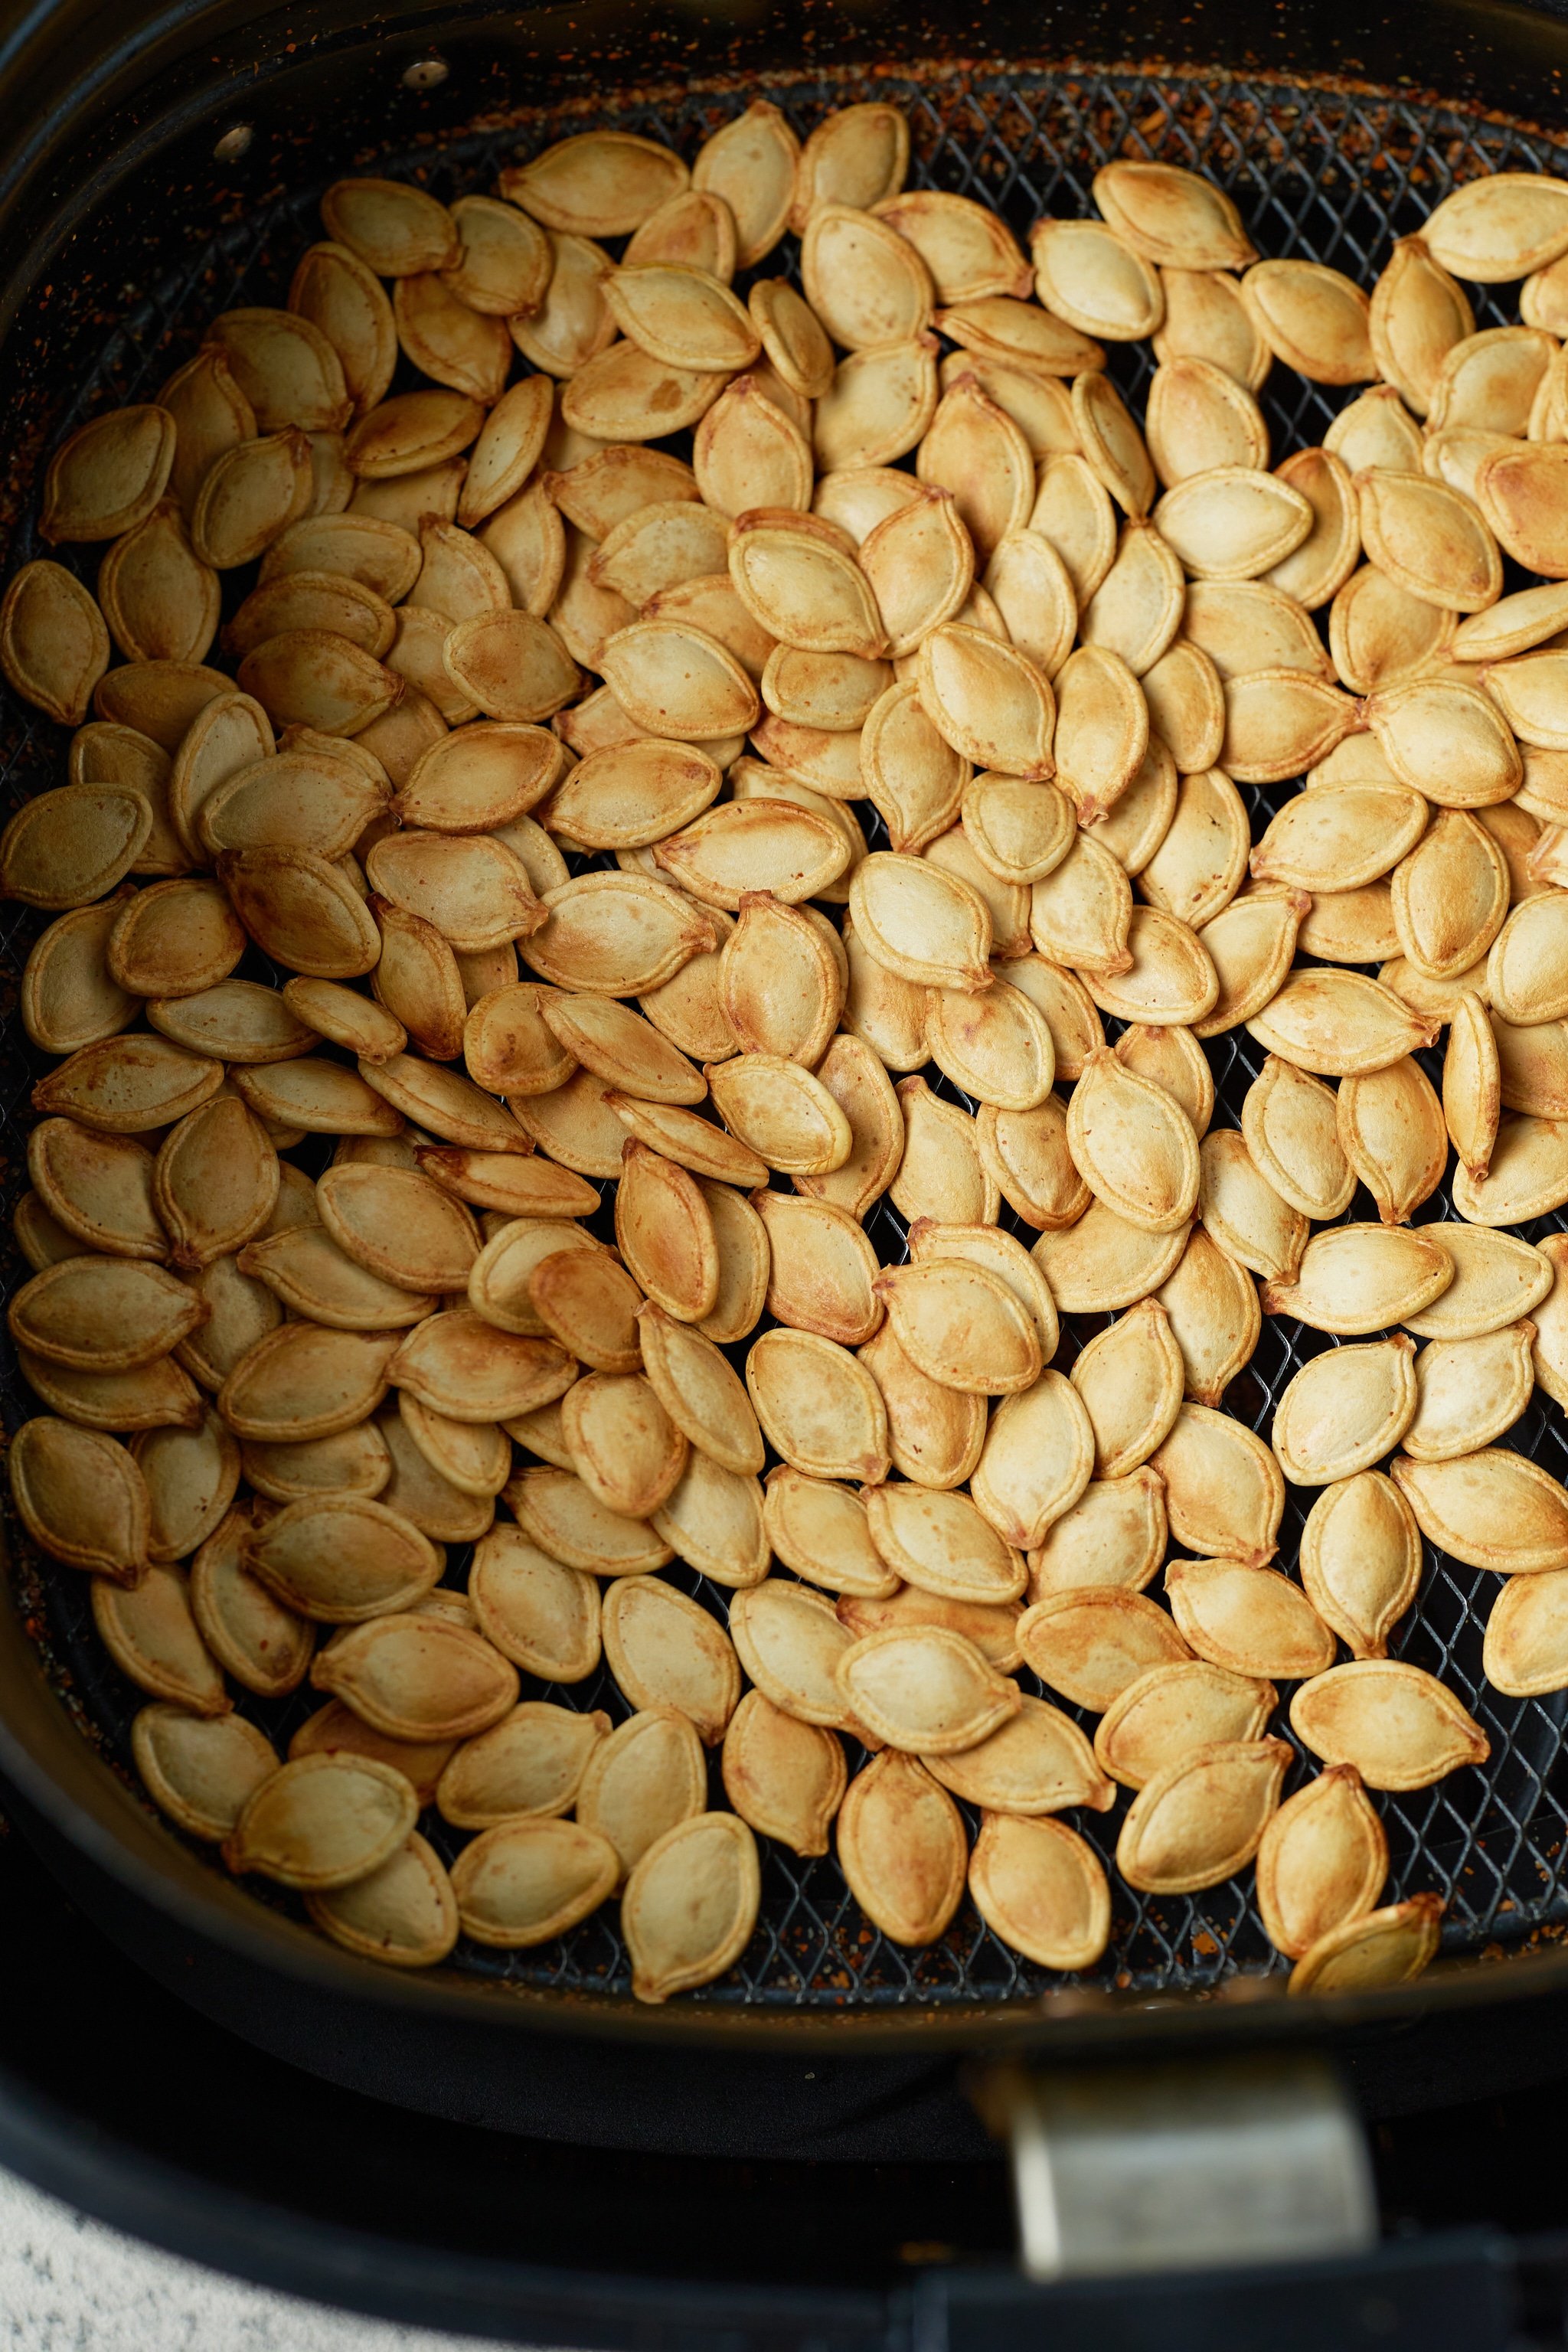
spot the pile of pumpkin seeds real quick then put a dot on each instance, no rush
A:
(921, 557)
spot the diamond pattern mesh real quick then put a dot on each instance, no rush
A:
(1329, 176)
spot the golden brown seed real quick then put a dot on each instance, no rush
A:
(1339, 1024)
(988, 700)
(1080, 914)
(1279, 722)
(1037, 1763)
(1289, 1126)
(1446, 738)
(1340, 836)
(1212, 1305)
(940, 1542)
(403, 1913)
(1037, 1460)
(818, 1406)
(1233, 524)
(127, 1085)
(785, 1777)
(1170, 977)
(1205, 319)
(1419, 314)
(1224, 1493)
(1041, 1889)
(1312, 319)
(67, 997)
(666, 1650)
(1526, 1176)
(1549, 1323)
(1113, 1535)
(200, 1772)
(1103, 730)
(1358, 1278)
(322, 1821)
(1470, 1391)
(867, 284)
(1345, 1410)
(1202, 1818)
(823, 1268)
(538, 1611)
(1322, 1861)
(150, 1633)
(1380, 634)
(961, 1325)
(1129, 1378)
(530, 1763)
(524, 1881)
(1252, 1220)
(1172, 1709)
(934, 1433)
(190, 1476)
(1524, 1652)
(1450, 897)
(1251, 1620)
(83, 1497)
(1400, 1728)
(1387, 1948)
(1098, 1262)
(1350, 926)
(623, 1446)
(1429, 539)
(1199, 418)
(458, 1364)
(1200, 860)
(103, 1314)
(54, 646)
(419, 1676)
(1493, 1509)
(900, 1845)
(1090, 1644)
(1074, 514)
(1392, 1131)
(96, 1191)
(1499, 227)
(819, 1530)
(66, 848)
(742, 847)
(1249, 945)
(713, 1520)
(153, 1396)
(1132, 1145)
(1246, 624)
(645, 1778)
(924, 1690)
(975, 449)
(340, 1558)
(1529, 1069)
(690, 1904)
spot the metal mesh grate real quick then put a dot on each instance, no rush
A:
(1334, 176)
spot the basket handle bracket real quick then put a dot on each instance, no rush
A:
(1250, 2159)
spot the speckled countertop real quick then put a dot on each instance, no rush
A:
(69, 2285)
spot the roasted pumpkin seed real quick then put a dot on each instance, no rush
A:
(1174, 1709)
(1400, 1727)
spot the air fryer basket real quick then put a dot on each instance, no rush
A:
(1328, 172)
